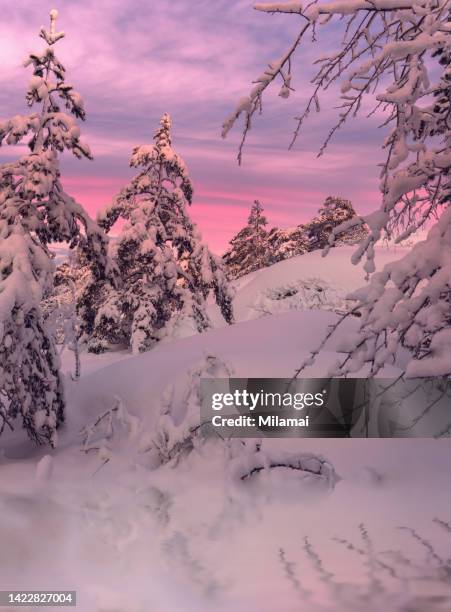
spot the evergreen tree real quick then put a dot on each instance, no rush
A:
(257, 223)
(248, 249)
(331, 215)
(167, 273)
(254, 248)
(286, 243)
(34, 211)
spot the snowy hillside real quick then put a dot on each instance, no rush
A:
(334, 273)
(99, 515)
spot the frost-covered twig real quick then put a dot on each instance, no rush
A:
(318, 565)
(372, 563)
(426, 544)
(96, 434)
(253, 103)
(177, 430)
(290, 574)
(443, 524)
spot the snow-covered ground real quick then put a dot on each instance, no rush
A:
(97, 516)
(334, 272)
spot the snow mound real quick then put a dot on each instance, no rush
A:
(268, 347)
(260, 286)
(300, 294)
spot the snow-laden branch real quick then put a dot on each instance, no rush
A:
(253, 102)
(342, 7)
(279, 7)
(388, 51)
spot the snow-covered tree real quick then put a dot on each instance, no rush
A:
(34, 211)
(248, 249)
(59, 308)
(257, 223)
(167, 272)
(397, 52)
(286, 243)
(253, 247)
(332, 214)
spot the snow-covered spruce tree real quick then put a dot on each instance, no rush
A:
(285, 243)
(34, 211)
(257, 223)
(398, 52)
(254, 247)
(333, 213)
(248, 249)
(282, 244)
(167, 273)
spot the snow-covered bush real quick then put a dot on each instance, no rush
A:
(35, 210)
(398, 52)
(167, 273)
(178, 428)
(105, 435)
(250, 460)
(303, 294)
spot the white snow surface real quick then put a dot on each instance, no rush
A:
(192, 536)
(335, 270)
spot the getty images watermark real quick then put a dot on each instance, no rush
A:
(267, 401)
(323, 407)
(254, 407)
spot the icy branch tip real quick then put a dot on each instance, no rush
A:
(53, 16)
(52, 36)
(279, 7)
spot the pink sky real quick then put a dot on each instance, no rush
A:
(134, 60)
